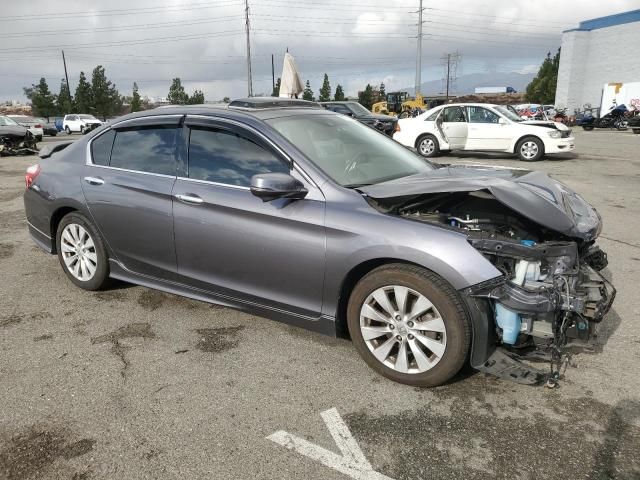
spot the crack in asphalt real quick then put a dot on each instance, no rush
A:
(132, 330)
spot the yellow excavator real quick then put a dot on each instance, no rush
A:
(400, 104)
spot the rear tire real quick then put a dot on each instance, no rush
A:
(81, 252)
(421, 337)
(530, 149)
(636, 131)
(427, 145)
(588, 128)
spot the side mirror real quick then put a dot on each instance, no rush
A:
(270, 186)
(502, 121)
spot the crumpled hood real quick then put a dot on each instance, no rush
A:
(546, 123)
(534, 195)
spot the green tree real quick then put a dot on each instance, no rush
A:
(82, 99)
(276, 89)
(383, 93)
(105, 96)
(226, 99)
(339, 96)
(325, 90)
(366, 97)
(177, 95)
(197, 98)
(42, 100)
(135, 99)
(542, 88)
(308, 93)
(64, 101)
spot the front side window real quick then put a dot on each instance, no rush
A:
(150, 149)
(222, 156)
(6, 121)
(454, 114)
(482, 115)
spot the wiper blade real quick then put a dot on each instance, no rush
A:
(357, 185)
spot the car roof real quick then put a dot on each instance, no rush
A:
(271, 102)
(471, 104)
(261, 113)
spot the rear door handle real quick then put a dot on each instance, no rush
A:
(94, 181)
(191, 199)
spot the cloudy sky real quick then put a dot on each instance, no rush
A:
(203, 42)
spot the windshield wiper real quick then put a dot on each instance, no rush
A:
(357, 185)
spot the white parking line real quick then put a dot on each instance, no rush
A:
(352, 462)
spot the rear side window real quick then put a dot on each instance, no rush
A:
(225, 157)
(150, 150)
(101, 148)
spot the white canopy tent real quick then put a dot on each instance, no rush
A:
(290, 82)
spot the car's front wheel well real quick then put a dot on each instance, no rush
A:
(348, 284)
(523, 137)
(56, 218)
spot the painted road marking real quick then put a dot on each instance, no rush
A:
(352, 462)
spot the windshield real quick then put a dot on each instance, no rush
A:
(358, 109)
(6, 121)
(506, 112)
(349, 152)
(87, 117)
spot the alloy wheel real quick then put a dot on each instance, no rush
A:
(403, 329)
(529, 150)
(79, 252)
(427, 146)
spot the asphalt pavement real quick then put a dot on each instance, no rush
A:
(132, 383)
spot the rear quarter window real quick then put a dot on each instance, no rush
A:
(148, 149)
(101, 148)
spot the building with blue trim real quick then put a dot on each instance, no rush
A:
(600, 51)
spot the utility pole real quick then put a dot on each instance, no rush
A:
(246, 20)
(66, 76)
(448, 73)
(419, 52)
(273, 74)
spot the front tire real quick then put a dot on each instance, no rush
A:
(82, 253)
(68, 130)
(636, 131)
(409, 325)
(588, 128)
(530, 149)
(428, 146)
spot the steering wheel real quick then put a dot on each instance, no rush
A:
(352, 172)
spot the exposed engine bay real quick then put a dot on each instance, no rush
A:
(551, 292)
(17, 143)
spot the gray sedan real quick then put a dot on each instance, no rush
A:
(305, 216)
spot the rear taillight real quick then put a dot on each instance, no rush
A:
(38, 126)
(397, 129)
(30, 176)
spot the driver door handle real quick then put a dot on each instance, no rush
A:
(190, 198)
(94, 181)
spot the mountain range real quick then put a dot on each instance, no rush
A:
(466, 84)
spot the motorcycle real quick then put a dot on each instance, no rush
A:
(616, 118)
(561, 116)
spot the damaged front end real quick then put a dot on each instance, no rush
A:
(17, 144)
(551, 292)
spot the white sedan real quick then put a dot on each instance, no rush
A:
(482, 127)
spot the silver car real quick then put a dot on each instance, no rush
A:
(305, 216)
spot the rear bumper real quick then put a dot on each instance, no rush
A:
(41, 239)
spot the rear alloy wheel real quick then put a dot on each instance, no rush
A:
(530, 149)
(82, 253)
(409, 325)
(428, 146)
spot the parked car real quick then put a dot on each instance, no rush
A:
(79, 122)
(15, 139)
(384, 123)
(48, 128)
(33, 124)
(483, 127)
(311, 218)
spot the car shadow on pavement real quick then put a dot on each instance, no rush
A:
(509, 156)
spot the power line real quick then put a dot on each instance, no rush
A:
(119, 11)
